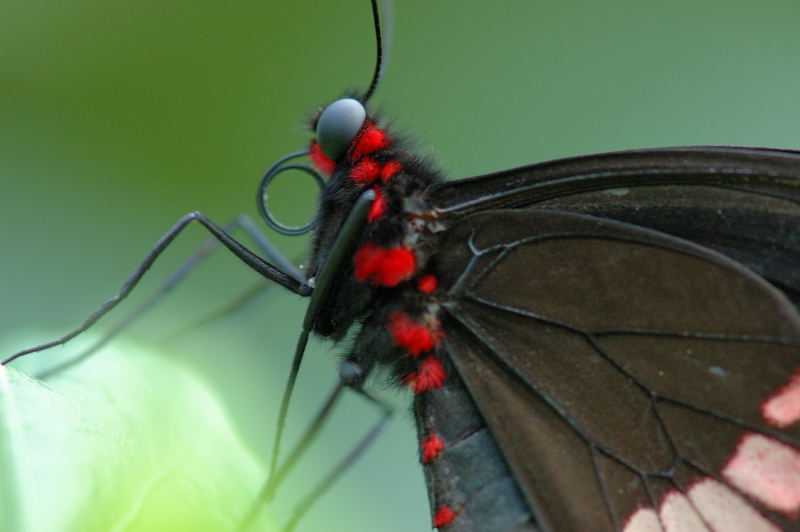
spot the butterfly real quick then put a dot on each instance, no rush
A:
(745, 174)
(608, 342)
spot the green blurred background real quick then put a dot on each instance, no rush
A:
(119, 117)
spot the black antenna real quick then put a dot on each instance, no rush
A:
(379, 60)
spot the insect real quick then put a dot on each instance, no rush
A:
(709, 160)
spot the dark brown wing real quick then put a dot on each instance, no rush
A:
(621, 369)
(740, 201)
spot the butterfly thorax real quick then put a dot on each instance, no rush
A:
(388, 289)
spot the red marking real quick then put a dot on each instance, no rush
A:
(383, 266)
(768, 470)
(369, 140)
(430, 376)
(365, 172)
(444, 516)
(783, 407)
(410, 335)
(431, 447)
(390, 170)
(427, 284)
(318, 159)
(378, 206)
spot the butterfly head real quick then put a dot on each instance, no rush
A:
(338, 125)
(344, 136)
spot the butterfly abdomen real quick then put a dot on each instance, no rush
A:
(466, 475)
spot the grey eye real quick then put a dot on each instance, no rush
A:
(338, 125)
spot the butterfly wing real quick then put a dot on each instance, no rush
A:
(629, 377)
(742, 202)
(753, 169)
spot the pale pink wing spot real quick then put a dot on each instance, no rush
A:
(768, 470)
(678, 514)
(723, 509)
(783, 407)
(643, 520)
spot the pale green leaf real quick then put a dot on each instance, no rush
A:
(125, 441)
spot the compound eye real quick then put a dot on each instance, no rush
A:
(338, 125)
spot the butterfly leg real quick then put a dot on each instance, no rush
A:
(267, 492)
(267, 250)
(240, 223)
(286, 279)
(355, 453)
(338, 259)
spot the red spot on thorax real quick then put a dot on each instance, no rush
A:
(782, 408)
(378, 206)
(389, 170)
(427, 284)
(320, 160)
(431, 447)
(365, 171)
(429, 376)
(383, 266)
(370, 139)
(413, 337)
(444, 515)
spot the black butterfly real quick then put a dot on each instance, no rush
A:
(591, 346)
